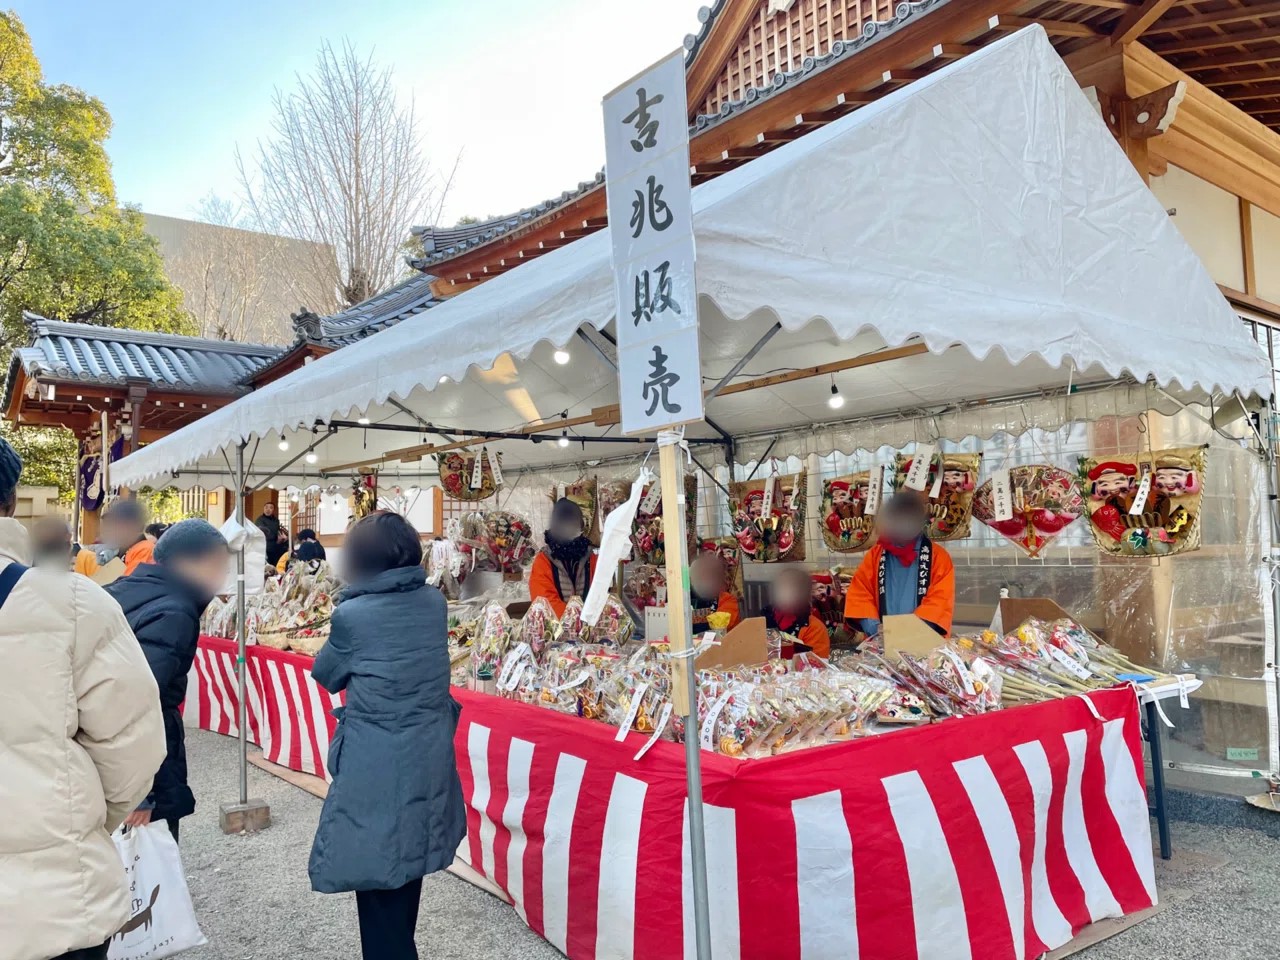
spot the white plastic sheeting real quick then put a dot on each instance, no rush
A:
(984, 210)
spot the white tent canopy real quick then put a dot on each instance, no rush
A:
(984, 211)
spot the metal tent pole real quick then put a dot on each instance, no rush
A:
(241, 640)
(246, 814)
(684, 681)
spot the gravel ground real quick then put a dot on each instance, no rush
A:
(254, 902)
(1221, 897)
(1221, 893)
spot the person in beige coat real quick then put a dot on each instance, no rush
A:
(81, 737)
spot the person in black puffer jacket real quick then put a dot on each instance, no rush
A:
(163, 602)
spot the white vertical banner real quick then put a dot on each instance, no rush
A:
(646, 138)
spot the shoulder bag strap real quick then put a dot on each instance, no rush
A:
(9, 578)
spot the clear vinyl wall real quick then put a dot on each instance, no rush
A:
(1205, 612)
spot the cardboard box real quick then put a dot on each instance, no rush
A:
(746, 643)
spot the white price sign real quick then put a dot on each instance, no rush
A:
(495, 466)
(1001, 496)
(477, 471)
(1140, 498)
(875, 490)
(646, 137)
(918, 475)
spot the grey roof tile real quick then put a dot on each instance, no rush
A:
(108, 356)
(445, 243)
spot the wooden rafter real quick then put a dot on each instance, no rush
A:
(1218, 41)
(1232, 58)
(1055, 28)
(1135, 23)
(1217, 18)
(1262, 91)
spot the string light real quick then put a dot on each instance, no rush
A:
(836, 401)
(564, 438)
(561, 357)
(284, 444)
(363, 421)
(311, 457)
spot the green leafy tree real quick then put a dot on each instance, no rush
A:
(49, 456)
(67, 249)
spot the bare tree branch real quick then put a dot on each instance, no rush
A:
(342, 168)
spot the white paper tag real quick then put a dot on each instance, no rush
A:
(1183, 700)
(1001, 496)
(652, 497)
(559, 491)
(509, 663)
(494, 466)
(1140, 498)
(664, 717)
(966, 677)
(577, 681)
(936, 489)
(875, 486)
(709, 722)
(514, 680)
(918, 475)
(1070, 663)
(766, 508)
(477, 471)
(636, 699)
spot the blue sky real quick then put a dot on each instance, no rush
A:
(515, 85)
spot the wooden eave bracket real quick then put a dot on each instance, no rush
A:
(1139, 118)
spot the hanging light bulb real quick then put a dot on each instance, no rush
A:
(561, 356)
(311, 457)
(836, 401)
(564, 438)
(284, 444)
(363, 421)
(293, 498)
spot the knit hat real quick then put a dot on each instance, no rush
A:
(187, 539)
(10, 467)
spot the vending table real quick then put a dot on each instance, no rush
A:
(993, 836)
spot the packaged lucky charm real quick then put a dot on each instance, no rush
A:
(490, 646)
(539, 626)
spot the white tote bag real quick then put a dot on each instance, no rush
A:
(163, 921)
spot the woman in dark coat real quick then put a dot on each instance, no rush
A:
(163, 602)
(394, 812)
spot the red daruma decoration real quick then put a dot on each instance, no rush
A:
(950, 510)
(1046, 500)
(1146, 505)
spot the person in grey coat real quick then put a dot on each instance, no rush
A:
(394, 812)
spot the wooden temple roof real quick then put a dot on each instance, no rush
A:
(764, 72)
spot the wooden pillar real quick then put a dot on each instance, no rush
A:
(137, 394)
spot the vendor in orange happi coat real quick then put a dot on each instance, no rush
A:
(565, 566)
(904, 572)
(791, 611)
(707, 593)
(124, 534)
